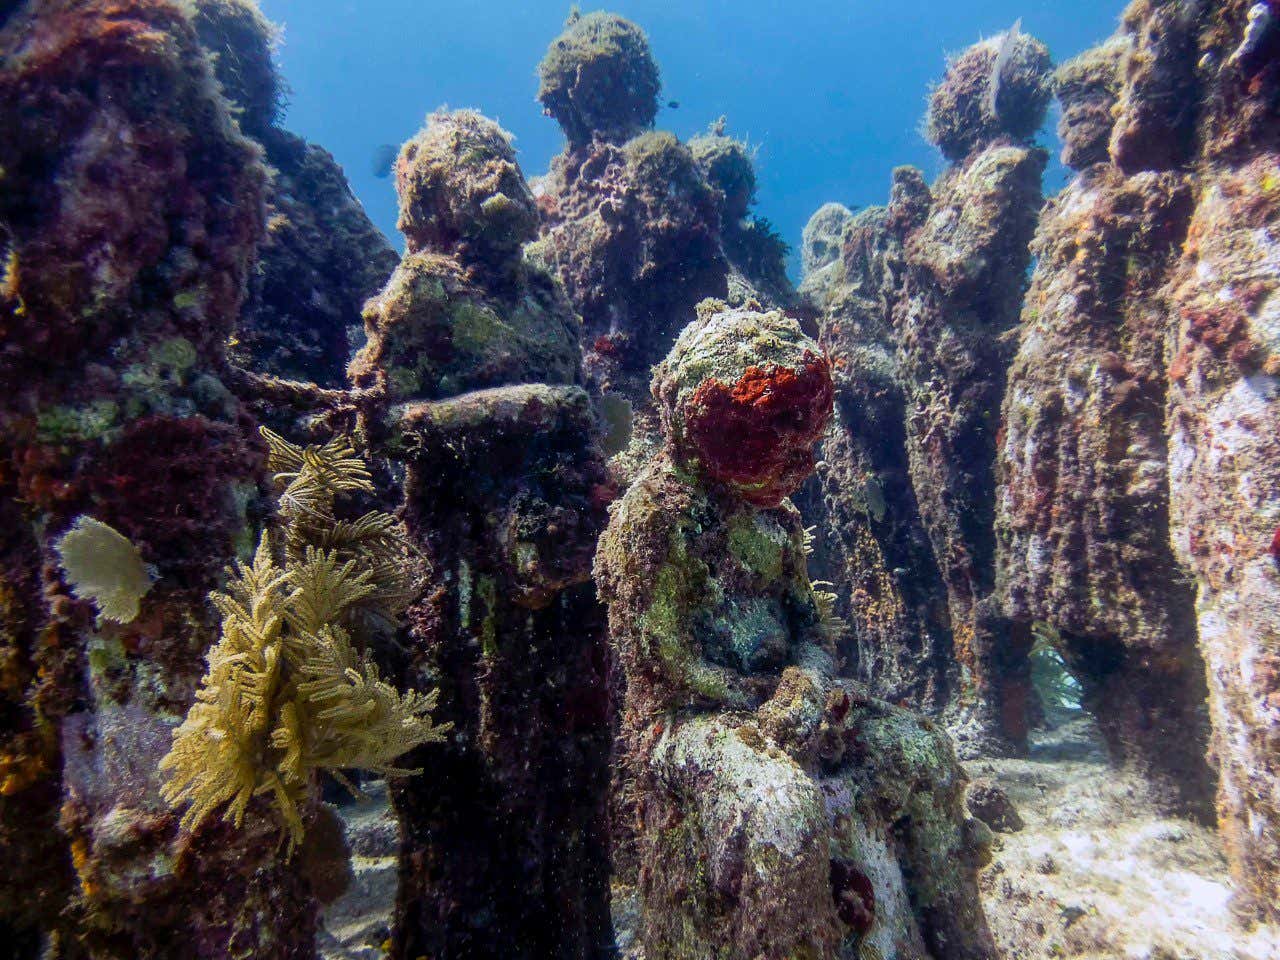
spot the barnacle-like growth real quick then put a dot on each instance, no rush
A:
(287, 692)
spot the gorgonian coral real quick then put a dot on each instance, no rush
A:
(312, 478)
(287, 692)
(102, 565)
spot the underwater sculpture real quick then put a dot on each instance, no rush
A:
(472, 376)
(464, 310)
(629, 222)
(318, 238)
(1083, 519)
(962, 287)
(869, 542)
(1169, 244)
(778, 811)
(755, 252)
(131, 476)
(912, 301)
(1224, 419)
(821, 244)
(129, 223)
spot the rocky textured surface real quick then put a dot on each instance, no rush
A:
(1083, 516)
(763, 789)
(869, 542)
(599, 79)
(821, 246)
(318, 240)
(962, 289)
(1143, 413)
(633, 231)
(504, 848)
(630, 224)
(914, 311)
(989, 802)
(995, 89)
(771, 796)
(130, 224)
(1224, 477)
(463, 310)
(1087, 88)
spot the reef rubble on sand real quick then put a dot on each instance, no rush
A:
(929, 610)
(1097, 869)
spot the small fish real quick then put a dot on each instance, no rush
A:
(384, 158)
(673, 104)
(1007, 46)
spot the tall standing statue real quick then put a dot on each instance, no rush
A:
(471, 376)
(965, 275)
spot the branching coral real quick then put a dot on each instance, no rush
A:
(312, 477)
(287, 693)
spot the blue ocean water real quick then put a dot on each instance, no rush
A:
(831, 93)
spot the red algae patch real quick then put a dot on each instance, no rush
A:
(758, 433)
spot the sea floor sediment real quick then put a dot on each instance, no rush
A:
(1097, 872)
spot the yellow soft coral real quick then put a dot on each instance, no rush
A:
(287, 693)
(312, 477)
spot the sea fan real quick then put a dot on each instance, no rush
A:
(287, 693)
(104, 566)
(1052, 681)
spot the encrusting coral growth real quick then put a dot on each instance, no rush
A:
(599, 79)
(130, 214)
(1141, 422)
(869, 540)
(963, 282)
(638, 226)
(1100, 478)
(318, 237)
(999, 88)
(287, 692)
(1136, 427)
(471, 372)
(1083, 518)
(778, 811)
(1224, 424)
(629, 222)
(442, 325)
(914, 309)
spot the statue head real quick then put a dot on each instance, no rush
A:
(460, 185)
(744, 396)
(599, 78)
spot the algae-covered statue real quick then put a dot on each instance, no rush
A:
(778, 811)
(963, 282)
(629, 222)
(472, 376)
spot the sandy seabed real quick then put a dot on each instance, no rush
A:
(1097, 873)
